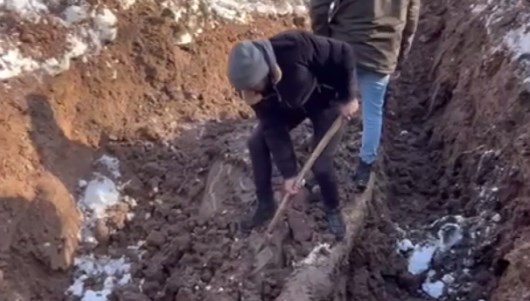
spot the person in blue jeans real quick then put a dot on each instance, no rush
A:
(380, 33)
(372, 87)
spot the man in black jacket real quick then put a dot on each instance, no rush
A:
(285, 79)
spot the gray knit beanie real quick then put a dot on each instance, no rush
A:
(247, 66)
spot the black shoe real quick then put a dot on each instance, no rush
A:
(362, 175)
(336, 224)
(264, 212)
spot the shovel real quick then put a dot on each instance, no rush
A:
(267, 253)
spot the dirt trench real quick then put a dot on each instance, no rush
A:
(447, 162)
(454, 159)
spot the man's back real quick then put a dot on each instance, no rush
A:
(375, 28)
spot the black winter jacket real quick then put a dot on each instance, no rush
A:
(317, 73)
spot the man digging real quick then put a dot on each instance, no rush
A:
(285, 79)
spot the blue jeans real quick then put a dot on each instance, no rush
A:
(373, 88)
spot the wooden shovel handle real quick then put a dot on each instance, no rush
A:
(307, 166)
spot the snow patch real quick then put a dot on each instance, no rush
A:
(126, 4)
(197, 15)
(112, 271)
(105, 23)
(75, 14)
(101, 271)
(507, 24)
(112, 164)
(518, 41)
(441, 237)
(86, 30)
(448, 235)
(444, 250)
(30, 9)
(421, 258)
(100, 194)
(13, 63)
(433, 288)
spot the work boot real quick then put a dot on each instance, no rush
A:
(336, 223)
(264, 212)
(362, 175)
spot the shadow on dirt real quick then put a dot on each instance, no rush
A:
(39, 235)
(37, 245)
(67, 159)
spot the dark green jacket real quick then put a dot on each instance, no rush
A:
(380, 31)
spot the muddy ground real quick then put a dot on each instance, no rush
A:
(452, 147)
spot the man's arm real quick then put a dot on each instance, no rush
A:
(278, 140)
(319, 11)
(413, 15)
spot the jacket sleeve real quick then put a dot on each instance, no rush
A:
(338, 58)
(413, 14)
(279, 142)
(318, 12)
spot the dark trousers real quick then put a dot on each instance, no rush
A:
(323, 169)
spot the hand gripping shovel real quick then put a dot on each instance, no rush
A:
(267, 253)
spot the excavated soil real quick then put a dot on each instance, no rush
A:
(452, 147)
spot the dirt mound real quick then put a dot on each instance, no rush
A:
(53, 130)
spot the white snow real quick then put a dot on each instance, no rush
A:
(113, 271)
(31, 9)
(448, 279)
(421, 258)
(13, 63)
(86, 30)
(449, 235)
(518, 41)
(126, 4)
(434, 289)
(105, 23)
(240, 10)
(75, 13)
(112, 164)
(420, 255)
(405, 245)
(100, 194)
(496, 218)
(200, 14)
(507, 24)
